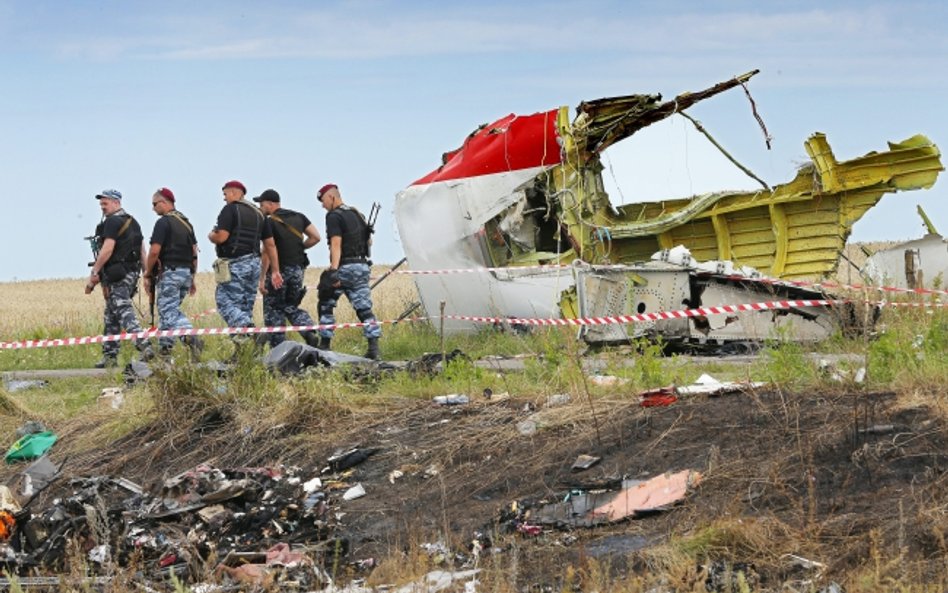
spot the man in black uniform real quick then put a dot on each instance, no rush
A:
(293, 234)
(348, 272)
(170, 267)
(237, 235)
(116, 267)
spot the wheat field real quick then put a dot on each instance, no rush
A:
(60, 308)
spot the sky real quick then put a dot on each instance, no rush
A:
(368, 94)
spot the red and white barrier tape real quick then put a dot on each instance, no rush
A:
(162, 333)
(214, 331)
(831, 285)
(658, 316)
(555, 321)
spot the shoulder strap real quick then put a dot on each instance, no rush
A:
(128, 223)
(292, 229)
(174, 214)
(252, 207)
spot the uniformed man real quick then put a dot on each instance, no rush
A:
(170, 267)
(293, 234)
(116, 267)
(239, 231)
(349, 236)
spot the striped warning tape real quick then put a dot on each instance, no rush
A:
(214, 331)
(831, 285)
(156, 333)
(657, 316)
(553, 321)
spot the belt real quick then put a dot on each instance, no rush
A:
(353, 260)
(240, 257)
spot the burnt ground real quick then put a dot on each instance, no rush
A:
(845, 479)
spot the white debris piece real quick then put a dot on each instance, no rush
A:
(708, 385)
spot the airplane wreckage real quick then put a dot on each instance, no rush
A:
(523, 197)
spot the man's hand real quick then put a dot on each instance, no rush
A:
(193, 290)
(93, 280)
(148, 284)
(262, 285)
(276, 279)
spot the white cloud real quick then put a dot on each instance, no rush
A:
(379, 30)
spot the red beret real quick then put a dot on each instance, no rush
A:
(235, 184)
(166, 194)
(324, 189)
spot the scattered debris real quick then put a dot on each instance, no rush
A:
(597, 507)
(357, 491)
(30, 427)
(584, 462)
(452, 399)
(113, 397)
(204, 511)
(830, 370)
(30, 446)
(662, 396)
(38, 475)
(14, 385)
(291, 357)
(708, 385)
(607, 380)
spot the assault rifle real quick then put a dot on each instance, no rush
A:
(95, 245)
(370, 221)
(155, 272)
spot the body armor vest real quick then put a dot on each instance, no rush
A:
(178, 250)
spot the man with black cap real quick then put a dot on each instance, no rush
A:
(117, 266)
(170, 267)
(293, 234)
(237, 235)
(348, 234)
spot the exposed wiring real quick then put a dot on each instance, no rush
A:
(760, 121)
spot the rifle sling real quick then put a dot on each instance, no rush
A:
(292, 229)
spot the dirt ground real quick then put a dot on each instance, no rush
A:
(834, 477)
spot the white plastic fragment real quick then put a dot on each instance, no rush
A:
(357, 491)
(312, 485)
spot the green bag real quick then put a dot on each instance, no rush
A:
(30, 446)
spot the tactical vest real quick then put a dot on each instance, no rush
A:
(178, 248)
(288, 235)
(355, 233)
(128, 243)
(245, 239)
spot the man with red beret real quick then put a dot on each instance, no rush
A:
(170, 267)
(237, 235)
(349, 238)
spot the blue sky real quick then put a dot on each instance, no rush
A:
(368, 94)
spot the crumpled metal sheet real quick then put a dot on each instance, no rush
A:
(636, 498)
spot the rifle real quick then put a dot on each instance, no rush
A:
(370, 222)
(155, 273)
(95, 244)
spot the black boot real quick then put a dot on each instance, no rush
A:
(373, 351)
(195, 345)
(324, 343)
(107, 361)
(311, 339)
